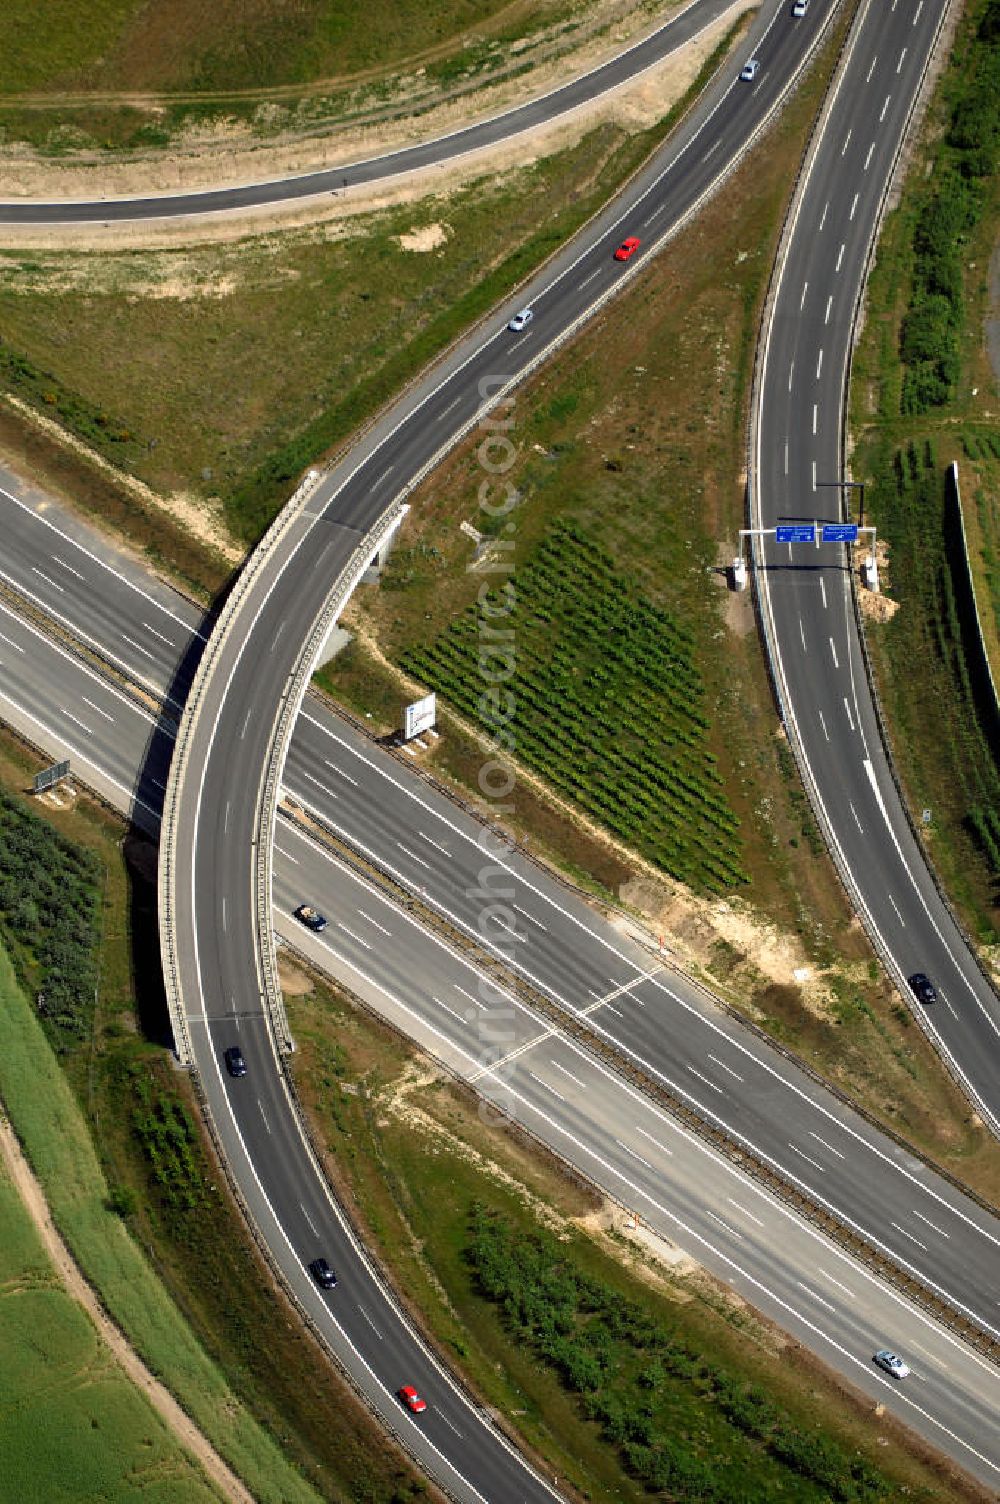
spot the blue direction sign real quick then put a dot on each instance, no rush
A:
(802, 532)
(840, 532)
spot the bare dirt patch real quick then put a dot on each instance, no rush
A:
(427, 238)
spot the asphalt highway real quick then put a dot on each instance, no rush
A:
(672, 1181)
(626, 65)
(807, 590)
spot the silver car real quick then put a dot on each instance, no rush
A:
(521, 320)
(891, 1363)
(750, 70)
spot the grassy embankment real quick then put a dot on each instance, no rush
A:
(64, 1397)
(114, 1138)
(107, 76)
(924, 394)
(226, 370)
(636, 436)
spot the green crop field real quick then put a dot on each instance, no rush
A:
(74, 1427)
(608, 705)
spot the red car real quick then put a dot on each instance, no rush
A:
(411, 1399)
(627, 248)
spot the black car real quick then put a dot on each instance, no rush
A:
(310, 917)
(923, 988)
(322, 1274)
(235, 1064)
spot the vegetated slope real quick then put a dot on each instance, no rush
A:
(605, 702)
(235, 44)
(922, 367)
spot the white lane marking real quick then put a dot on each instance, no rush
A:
(871, 70)
(802, 1153)
(68, 567)
(850, 718)
(731, 1230)
(947, 1004)
(815, 417)
(339, 772)
(868, 158)
(454, 1015)
(725, 1067)
(450, 408)
(833, 650)
(814, 475)
(847, 141)
(713, 148)
(662, 1147)
(106, 714)
(225, 921)
(741, 1208)
(246, 723)
(827, 1275)
(916, 16)
(819, 365)
(786, 456)
(385, 474)
(822, 590)
(305, 1214)
(329, 792)
(225, 816)
(826, 1145)
(375, 924)
(932, 1225)
(802, 635)
(274, 640)
(263, 1114)
(899, 65)
(706, 1080)
(791, 373)
(547, 1086)
(168, 640)
(448, 1423)
(840, 256)
(822, 221)
(898, 914)
(11, 643)
(61, 589)
(431, 842)
(854, 205)
(856, 820)
(823, 724)
(342, 926)
(138, 647)
(802, 300)
(412, 854)
(813, 1296)
(664, 206)
(77, 722)
(634, 1155)
(365, 1317)
(569, 1073)
(909, 1235)
(590, 279)
(829, 305)
(286, 854)
(530, 917)
(469, 995)
(884, 108)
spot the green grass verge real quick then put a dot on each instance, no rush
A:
(922, 396)
(75, 1427)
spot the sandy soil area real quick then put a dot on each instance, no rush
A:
(636, 105)
(162, 1401)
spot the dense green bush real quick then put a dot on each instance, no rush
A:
(49, 917)
(636, 1376)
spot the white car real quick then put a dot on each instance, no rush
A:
(800, 7)
(521, 320)
(750, 70)
(892, 1365)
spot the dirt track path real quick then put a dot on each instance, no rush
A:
(162, 1401)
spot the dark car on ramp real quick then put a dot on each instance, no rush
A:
(310, 917)
(923, 988)
(323, 1274)
(235, 1064)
